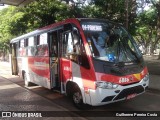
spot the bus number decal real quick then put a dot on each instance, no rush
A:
(123, 80)
(66, 68)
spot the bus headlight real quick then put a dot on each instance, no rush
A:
(106, 85)
(146, 78)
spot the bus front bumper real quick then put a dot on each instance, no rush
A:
(102, 96)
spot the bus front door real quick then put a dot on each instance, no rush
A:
(65, 62)
(54, 61)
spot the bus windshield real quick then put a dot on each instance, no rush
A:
(110, 42)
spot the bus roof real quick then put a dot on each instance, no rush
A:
(54, 25)
(43, 29)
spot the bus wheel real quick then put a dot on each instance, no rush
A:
(27, 83)
(77, 98)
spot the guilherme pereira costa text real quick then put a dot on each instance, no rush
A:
(134, 114)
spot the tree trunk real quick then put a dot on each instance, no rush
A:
(159, 55)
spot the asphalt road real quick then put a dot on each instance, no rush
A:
(149, 101)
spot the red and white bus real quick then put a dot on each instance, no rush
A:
(94, 61)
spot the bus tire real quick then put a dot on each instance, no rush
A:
(77, 98)
(26, 82)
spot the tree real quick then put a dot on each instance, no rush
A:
(157, 6)
(115, 10)
(146, 29)
(5, 27)
(45, 12)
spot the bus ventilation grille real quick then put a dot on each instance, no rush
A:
(134, 90)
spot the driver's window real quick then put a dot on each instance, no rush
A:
(72, 43)
(70, 46)
(67, 46)
(73, 47)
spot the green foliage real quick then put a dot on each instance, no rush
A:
(5, 25)
(107, 9)
(146, 23)
(148, 18)
(45, 12)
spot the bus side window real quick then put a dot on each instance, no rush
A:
(53, 39)
(22, 49)
(31, 51)
(42, 48)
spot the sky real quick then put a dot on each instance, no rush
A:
(1, 7)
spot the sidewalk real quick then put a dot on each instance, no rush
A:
(20, 103)
(154, 71)
(15, 98)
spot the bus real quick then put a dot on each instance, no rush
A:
(94, 61)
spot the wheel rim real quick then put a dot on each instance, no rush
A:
(77, 97)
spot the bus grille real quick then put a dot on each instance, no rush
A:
(134, 90)
(109, 98)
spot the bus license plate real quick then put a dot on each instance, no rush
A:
(131, 96)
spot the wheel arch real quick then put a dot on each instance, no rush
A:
(70, 85)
